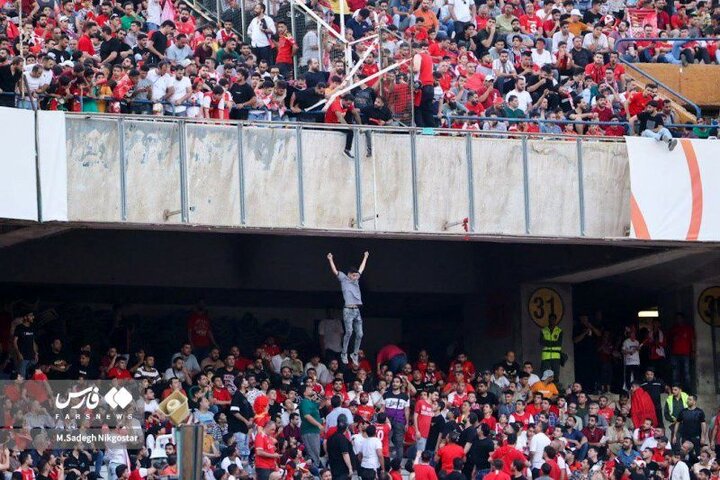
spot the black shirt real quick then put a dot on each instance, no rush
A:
(489, 398)
(81, 464)
(25, 338)
(591, 17)
(160, 43)
(61, 55)
(364, 99)
(511, 369)
(479, 453)
(57, 359)
(337, 445)
(649, 121)
(385, 115)
(307, 98)
(437, 426)
(88, 372)
(690, 423)
(313, 78)
(455, 475)
(108, 47)
(241, 93)
(239, 404)
(8, 80)
(654, 389)
(581, 57)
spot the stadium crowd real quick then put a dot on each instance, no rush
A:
(512, 60)
(268, 413)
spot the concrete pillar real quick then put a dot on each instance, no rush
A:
(537, 302)
(706, 306)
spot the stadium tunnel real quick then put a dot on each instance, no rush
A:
(438, 294)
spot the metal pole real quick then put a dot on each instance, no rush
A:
(581, 186)
(320, 44)
(241, 173)
(217, 9)
(293, 28)
(123, 170)
(526, 184)
(242, 18)
(412, 92)
(38, 179)
(342, 23)
(301, 189)
(185, 211)
(413, 164)
(471, 182)
(380, 60)
(358, 179)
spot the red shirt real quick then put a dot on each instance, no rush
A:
(531, 24)
(28, 474)
(389, 351)
(222, 394)
(597, 72)
(507, 454)
(604, 115)
(425, 415)
(370, 69)
(85, 45)
(284, 49)
(682, 340)
(123, 374)
(554, 469)
(383, 433)
(199, 327)
(525, 418)
(330, 114)
(497, 475)
(477, 109)
(365, 412)
(636, 104)
(267, 444)
(447, 454)
(424, 472)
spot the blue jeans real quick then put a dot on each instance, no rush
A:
(112, 467)
(99, 458)
(24, 366)
(243, 445)
(480, 474)
(661, 135)
(582, 451)
(353, 324)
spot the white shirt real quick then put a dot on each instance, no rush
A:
(159, 84)
(258, 38)
(542, 59)
(533, 379)
(524, 99)
(32, 82)
(357, 441)
(369, 449)
(226, 461)
(680, 471)
(320, 368)
(599, 43)
(332, 417)
(462, 10)
(181, 88)
(154, 12)
(559, 37)
(537, 448)
(631, 352)
(331, 330)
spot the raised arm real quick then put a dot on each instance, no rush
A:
(364, 262)
(332, 264)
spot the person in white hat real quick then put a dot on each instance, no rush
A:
(546, 385)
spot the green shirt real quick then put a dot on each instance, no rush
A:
(221, 54)
(516, 113)
(308, 407)
(125, 21)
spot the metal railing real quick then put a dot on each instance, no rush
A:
(687, 101)
(361, 217)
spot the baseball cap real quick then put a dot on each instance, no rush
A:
(547, 374)
(490, 77)
(575, 11)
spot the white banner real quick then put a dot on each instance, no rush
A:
(53, 166)
(18, 186)
(674, 195)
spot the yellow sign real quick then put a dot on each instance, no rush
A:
(709, 306)
(543, 303)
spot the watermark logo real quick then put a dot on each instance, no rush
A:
(90, 398)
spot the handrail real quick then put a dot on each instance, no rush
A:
(698, 111)
(535, 120)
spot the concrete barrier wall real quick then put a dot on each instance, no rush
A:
(498, 187)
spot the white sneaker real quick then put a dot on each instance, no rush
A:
(344, 358)
(355, 359)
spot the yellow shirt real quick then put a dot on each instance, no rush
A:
(335, 6)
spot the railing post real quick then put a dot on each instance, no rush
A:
(301, 188)
(471, 181)
(526, 184)
(241, 172)
(413, 164)
(184, 209)
(358, 178)
(294, 34)
(123, 170)
(242, 18)
(581, 186)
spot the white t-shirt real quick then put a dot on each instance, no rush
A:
(524, 99)
(32, 82)
(180, 90)
(159, 84)
(542, 59)
(631, 352)
(369, 450)
(462, 10)
(537, 447)
(227, 461)
(332, 332)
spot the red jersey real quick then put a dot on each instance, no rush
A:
(554, 469)
(123, 374)
(199, 327)
(85, 45)
(28, 474)
(365, 412)
(425, 414)
(285, 49)
(370, 69)
(637, 102)
(682, 340)
(497, 475)
(424, 472)
(507, 454)
(531, 25)
(267, 444)
(383, 433)
(426, 72)
(447, 454)
(331, 113)
(597, 72)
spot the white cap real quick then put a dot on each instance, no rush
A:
(547, 374)
(575, 11)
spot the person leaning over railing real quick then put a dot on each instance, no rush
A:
(652, 125)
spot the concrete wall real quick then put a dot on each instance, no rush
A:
(267, 182)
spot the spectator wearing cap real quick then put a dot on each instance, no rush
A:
(577, 26)
(546, 385)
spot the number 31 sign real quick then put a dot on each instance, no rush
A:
(544, 302)
(709, 306)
